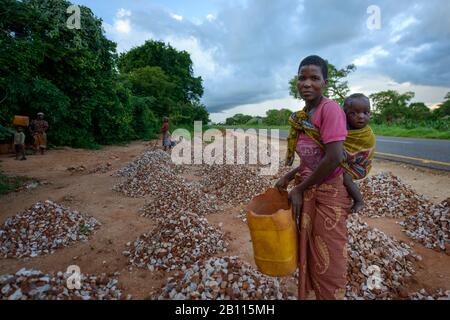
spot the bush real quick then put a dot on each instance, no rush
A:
(145, 124)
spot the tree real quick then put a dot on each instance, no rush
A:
(391, 106)
(159, 71)
(145, 123)
(337, 88)
(418, 111)
(188, 113)
(152, 82)
(69, 74)
(177, 65)
(277, 117)
(444, 108)
(255, 121)
(238, 119)
(199, 112)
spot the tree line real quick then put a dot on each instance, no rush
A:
(90, 94)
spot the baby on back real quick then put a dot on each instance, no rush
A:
(357, 111)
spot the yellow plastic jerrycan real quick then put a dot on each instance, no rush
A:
(274, 233)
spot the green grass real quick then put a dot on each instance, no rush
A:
(380, 130)
(9, 184)
(249, 126)
(419, 132)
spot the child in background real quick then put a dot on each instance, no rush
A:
(357, 110)
(19, 143)
(167, 143)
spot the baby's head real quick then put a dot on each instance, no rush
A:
(357, 110)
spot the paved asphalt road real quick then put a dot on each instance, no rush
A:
(429, 153)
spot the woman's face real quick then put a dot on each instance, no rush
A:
(310, 82)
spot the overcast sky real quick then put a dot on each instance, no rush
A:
(247, 50)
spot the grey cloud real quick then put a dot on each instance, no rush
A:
(264, 40)
(432, 29)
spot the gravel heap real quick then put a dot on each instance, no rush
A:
(180, 197)
(176, 243)
(224, 278)
(422, 294)
(371, 247)
(152, 174)
(43, 228)
(385, 195)
(233, 184)
(152, 158)
(34, 285)
(430, 226)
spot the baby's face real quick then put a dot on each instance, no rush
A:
(358, 114)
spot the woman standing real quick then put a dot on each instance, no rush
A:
(166, 134)
(39, 129)
(319, 200)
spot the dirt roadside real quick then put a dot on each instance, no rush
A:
(93, 194)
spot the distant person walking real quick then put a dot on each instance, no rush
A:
(39, 129)
(19, 143)
(166, 134)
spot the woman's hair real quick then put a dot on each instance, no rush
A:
(316, 61)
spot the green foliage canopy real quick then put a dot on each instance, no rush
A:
(391, 106)
(159, 71)
(238, 119)
(277, 117)
(69, 74)
(72, 75)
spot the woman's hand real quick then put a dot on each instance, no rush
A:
(296, 201)
(282, 184)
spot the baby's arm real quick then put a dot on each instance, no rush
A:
(353, 191)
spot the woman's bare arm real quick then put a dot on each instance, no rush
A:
(291, 174)
(283, 182)
(334, 154)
